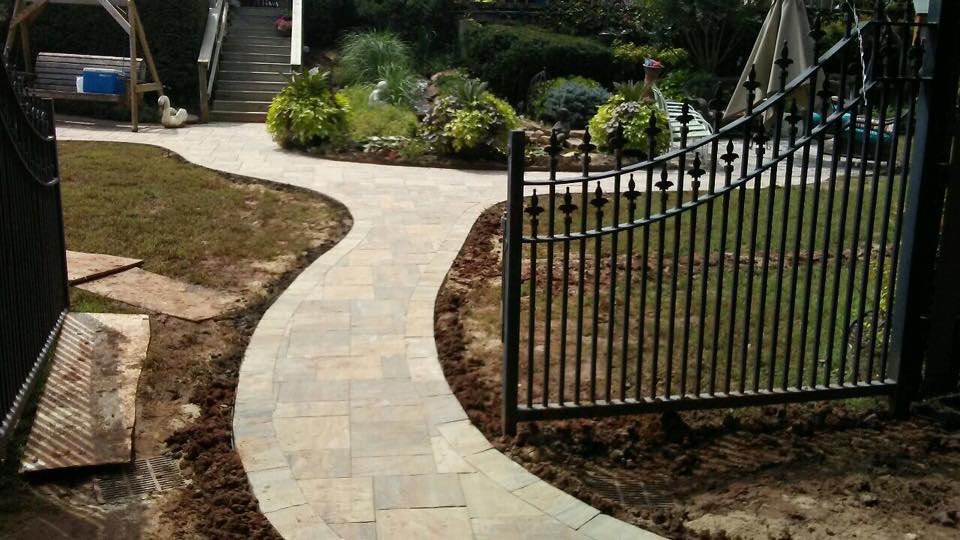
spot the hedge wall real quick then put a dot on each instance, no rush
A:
(510, 56)
(174, 31)
(423, 23)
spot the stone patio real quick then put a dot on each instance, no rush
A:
(344, 421)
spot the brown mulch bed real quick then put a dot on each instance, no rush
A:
(818, 470)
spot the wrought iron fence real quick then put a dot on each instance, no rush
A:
(33, 280)
(756, 265)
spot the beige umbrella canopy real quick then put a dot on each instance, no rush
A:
(786, 22)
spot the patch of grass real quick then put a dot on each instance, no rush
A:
(86, 302)
(185, 221)
(384, 120)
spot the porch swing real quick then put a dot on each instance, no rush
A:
(55, 75)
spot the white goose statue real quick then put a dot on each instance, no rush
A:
(170, 120)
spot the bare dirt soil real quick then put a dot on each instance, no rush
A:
(185, 395)
(810, 471)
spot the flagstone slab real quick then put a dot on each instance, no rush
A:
(87, 411)
(83, 267)
(161, 294)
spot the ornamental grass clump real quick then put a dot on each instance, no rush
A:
(307, 112)
(469, 121)
(364, 56)
(629, 107)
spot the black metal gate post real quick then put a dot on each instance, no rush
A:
(513, 255)
(924, 210)
(942, 363)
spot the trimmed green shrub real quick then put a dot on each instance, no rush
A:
(384, 120)
(634, 116)
(365, 55)
(307, 112)
(509, 56)
(325, 20)
(424, 22)
(540, 90)
(579, 96)
(471, 122)
(174, 31)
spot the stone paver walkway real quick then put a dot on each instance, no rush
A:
(344, 421)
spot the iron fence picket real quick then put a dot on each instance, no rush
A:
(775, 282)
(33, 285)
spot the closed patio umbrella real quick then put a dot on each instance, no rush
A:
(786, 22)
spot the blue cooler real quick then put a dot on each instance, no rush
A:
(102, 81)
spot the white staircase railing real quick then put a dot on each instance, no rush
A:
(208, 60)
(296, 35)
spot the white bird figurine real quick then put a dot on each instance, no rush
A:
(168, 120)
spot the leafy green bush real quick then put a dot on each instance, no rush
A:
(174, 31)
(365, 55)
(450, 82)
(307, 112)
(578, 96)
(385, 120)
(687, 83)
(634, 116)
(628, 58)
(585, 18)
(424, 22)
(540, 90)
(471, 122)
(509, 56)
(325, 20)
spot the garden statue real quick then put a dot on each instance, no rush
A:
(170, 120)
(651, 70)
(562, 127)
(380, 94)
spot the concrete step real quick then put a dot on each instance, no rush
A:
(251, 32)
(234, 116)
(249, 86)
(239, 47)
(225, 105)
(246, 95)
(271, 67)
(274, 40)
(257, 57)
(262, 76)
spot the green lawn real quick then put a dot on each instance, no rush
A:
(185, 221)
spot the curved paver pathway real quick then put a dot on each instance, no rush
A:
(344, 421)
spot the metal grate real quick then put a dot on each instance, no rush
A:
(139, 478)
(647, 493)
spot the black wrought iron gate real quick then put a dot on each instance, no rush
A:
(781, 259)
(33, 271)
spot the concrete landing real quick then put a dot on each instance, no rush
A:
(87, 411)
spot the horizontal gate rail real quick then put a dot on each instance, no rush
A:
(757, 265)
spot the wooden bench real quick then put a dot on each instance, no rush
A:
(56, 75)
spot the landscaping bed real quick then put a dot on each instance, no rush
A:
(838, 469)
(232, 234)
